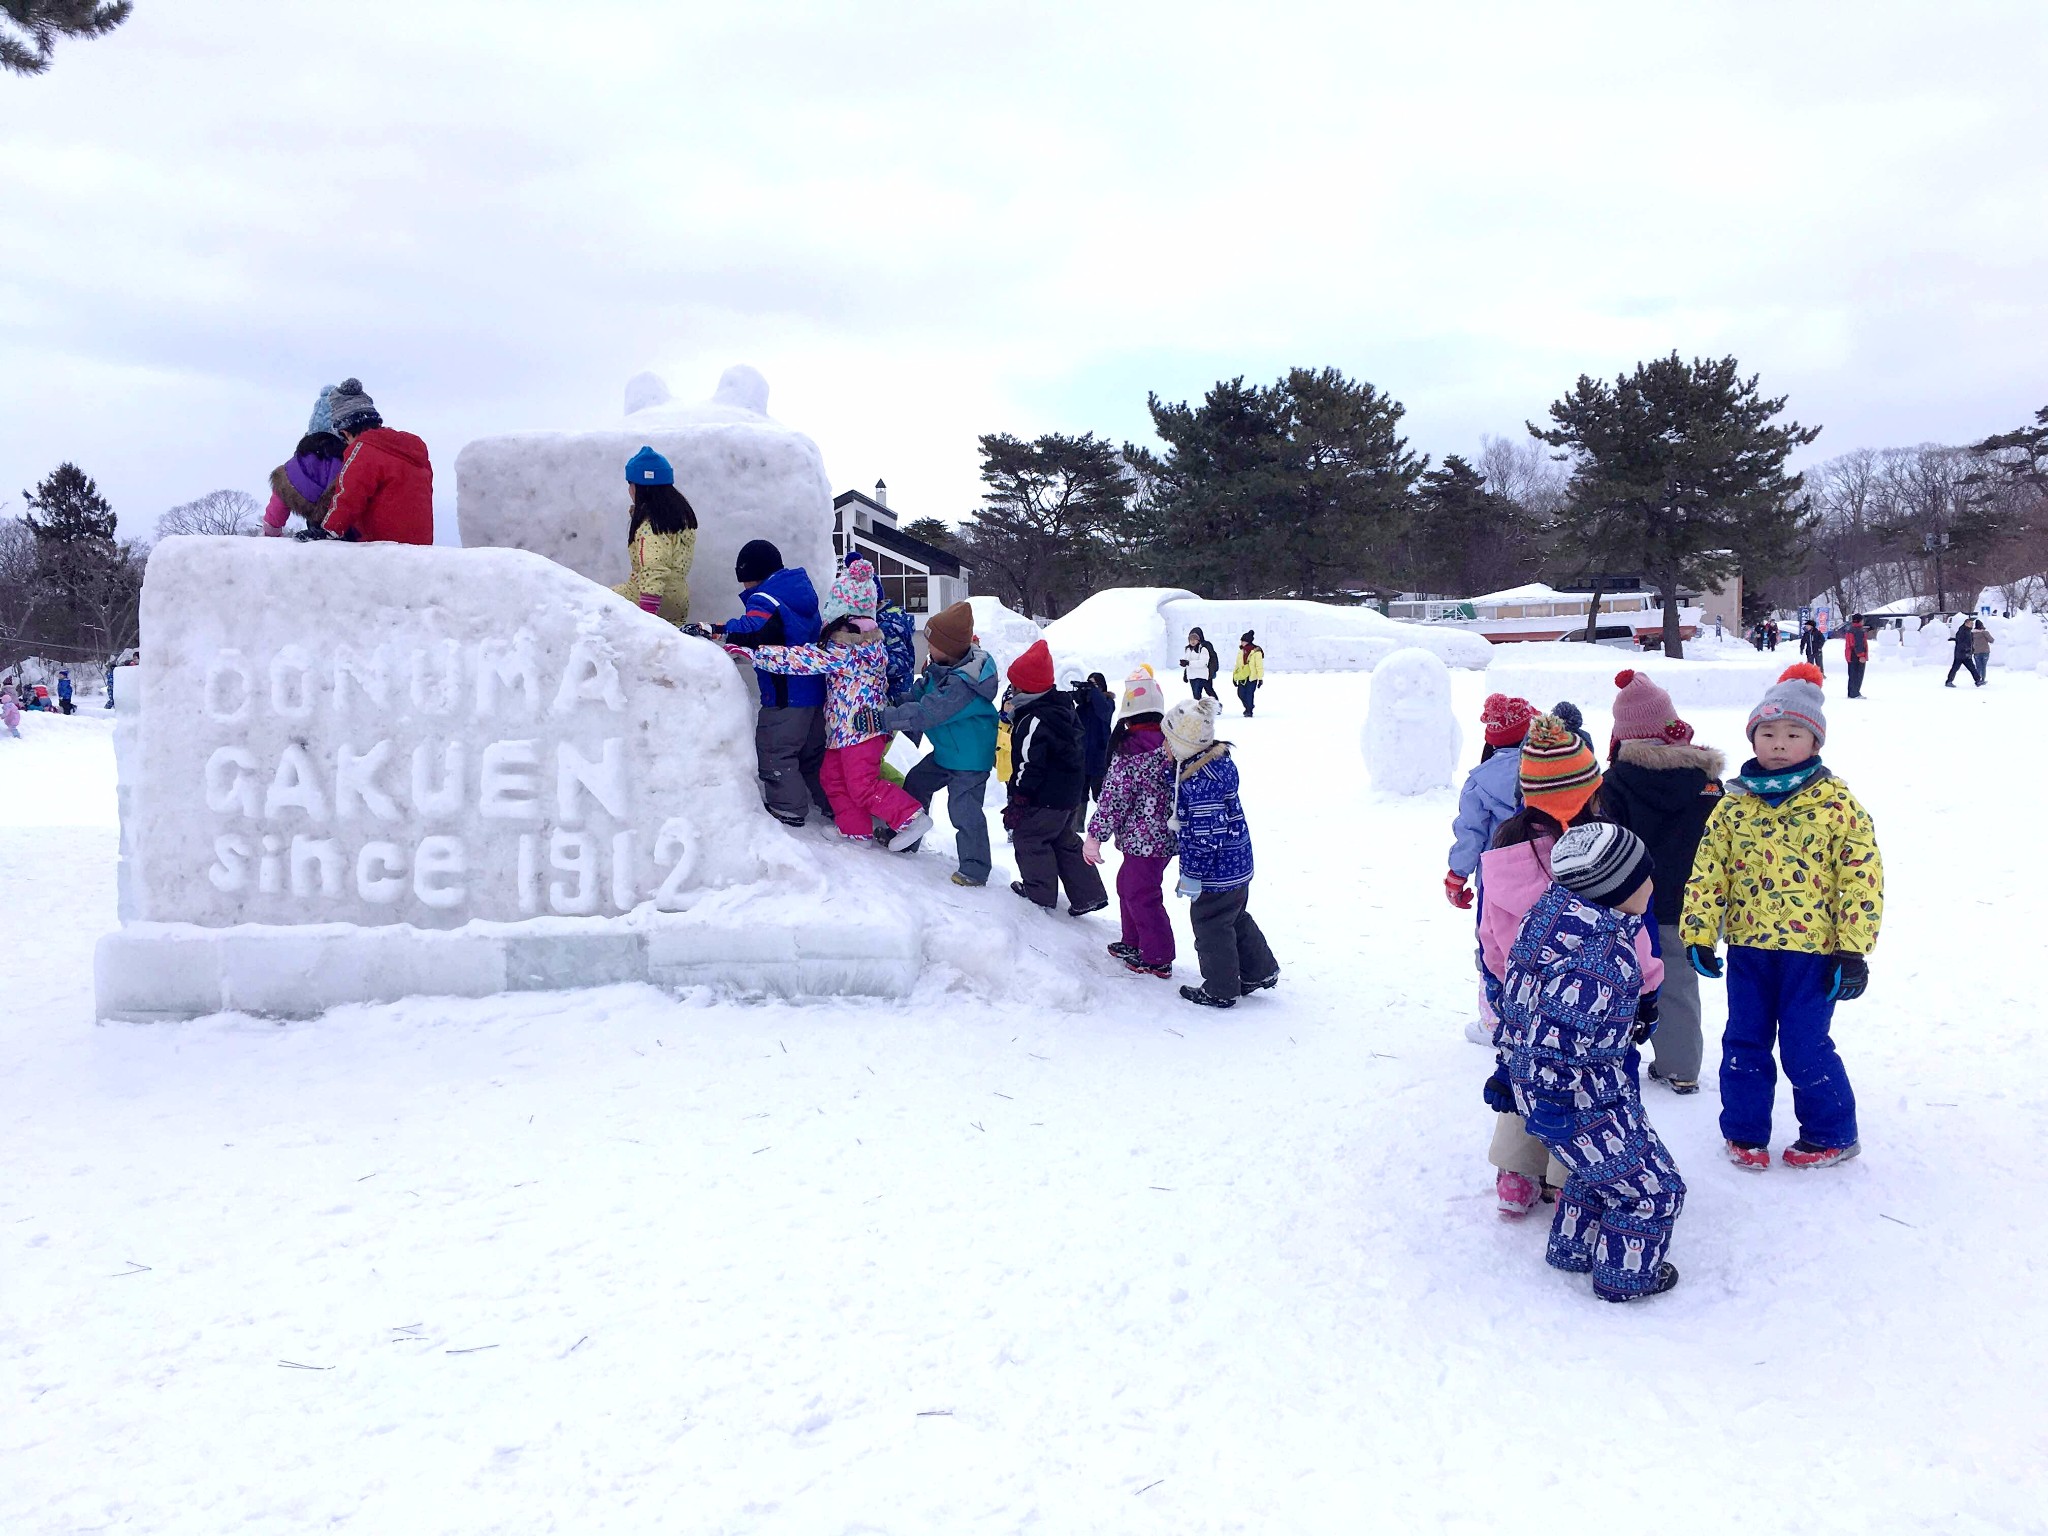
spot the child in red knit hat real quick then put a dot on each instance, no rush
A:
(1048, 781)
(1490, 796)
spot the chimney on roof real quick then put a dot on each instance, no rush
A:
(881, 493)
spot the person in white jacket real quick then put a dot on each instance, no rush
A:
(1198, 665)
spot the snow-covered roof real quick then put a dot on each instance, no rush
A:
(1529, 592)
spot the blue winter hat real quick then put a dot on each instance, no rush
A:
(649, 468)
(322, 419)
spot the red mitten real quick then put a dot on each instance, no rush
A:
(1455, 891)
(650, 602)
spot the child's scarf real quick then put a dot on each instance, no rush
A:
(1774, 789)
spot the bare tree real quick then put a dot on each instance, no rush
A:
(23, 593)
(217, 512)
(1523, 472)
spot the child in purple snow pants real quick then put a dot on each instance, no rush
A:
(1135, 807)
(1141, 896)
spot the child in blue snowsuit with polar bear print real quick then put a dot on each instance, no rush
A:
(1575, 1003)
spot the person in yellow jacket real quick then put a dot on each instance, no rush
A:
(662, 539)
(1788, 870)
(1249, 672)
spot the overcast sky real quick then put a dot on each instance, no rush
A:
(924, 222)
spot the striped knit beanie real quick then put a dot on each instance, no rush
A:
(1795, 697)
(1601, 862)
(1558, 771)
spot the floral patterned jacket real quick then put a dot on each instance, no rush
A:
(856, 679)
(1137, 797)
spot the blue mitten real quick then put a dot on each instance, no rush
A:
(1549, 1119)
(1188, 886)
(1500, 1098)
(1701, 957)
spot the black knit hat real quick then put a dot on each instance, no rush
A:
(757, 562)
(1601, 862)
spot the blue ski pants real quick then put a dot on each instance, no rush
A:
(1782, 995)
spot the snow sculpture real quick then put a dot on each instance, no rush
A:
(1004, 633)
(2020, 642)
(563, 494)
(353, 773)
(1411, 739)
(369, 790)
(1121, 628)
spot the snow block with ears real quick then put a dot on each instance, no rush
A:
(747, 476)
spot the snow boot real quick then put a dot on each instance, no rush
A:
(1207, 999)
(1018, 887)
(1263, 984)
(972, 885)
(1517, 1192)
(1478, 1032)
(1666, 1278)
(1124, 952)
(1138, 967)
(1755, 1159)
(910, 834)
(1804, 1154)
(1093, 906)
(1678, 1085)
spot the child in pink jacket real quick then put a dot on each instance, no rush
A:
(1560, 787)
(854, 661)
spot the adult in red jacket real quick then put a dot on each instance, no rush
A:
(385, 491)
(1856, 651)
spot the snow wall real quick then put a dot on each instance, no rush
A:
(563, 494)
(1114, 632)
(352, 773)
(1545, 671)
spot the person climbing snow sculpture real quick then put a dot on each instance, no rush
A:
(661, 539)
(384, 491)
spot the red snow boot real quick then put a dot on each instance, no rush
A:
(1755, 1159)
(1804, 1154)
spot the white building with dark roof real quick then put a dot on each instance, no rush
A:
(920, 577)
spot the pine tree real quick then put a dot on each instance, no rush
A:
(67, 508)
(1040, 536)
(2020, 455)
(1275, 491)
(29, 29)
(1465, 537)
(1679, 473)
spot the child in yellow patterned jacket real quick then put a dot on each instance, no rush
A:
(661, 539)
(1789, 871)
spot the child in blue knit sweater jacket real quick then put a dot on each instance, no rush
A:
(1215, 859)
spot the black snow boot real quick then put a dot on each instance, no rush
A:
(1206, 998)
(1666, 1278)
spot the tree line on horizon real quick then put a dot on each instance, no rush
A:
(1676, 473)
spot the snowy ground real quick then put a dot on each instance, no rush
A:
(612, 1262)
